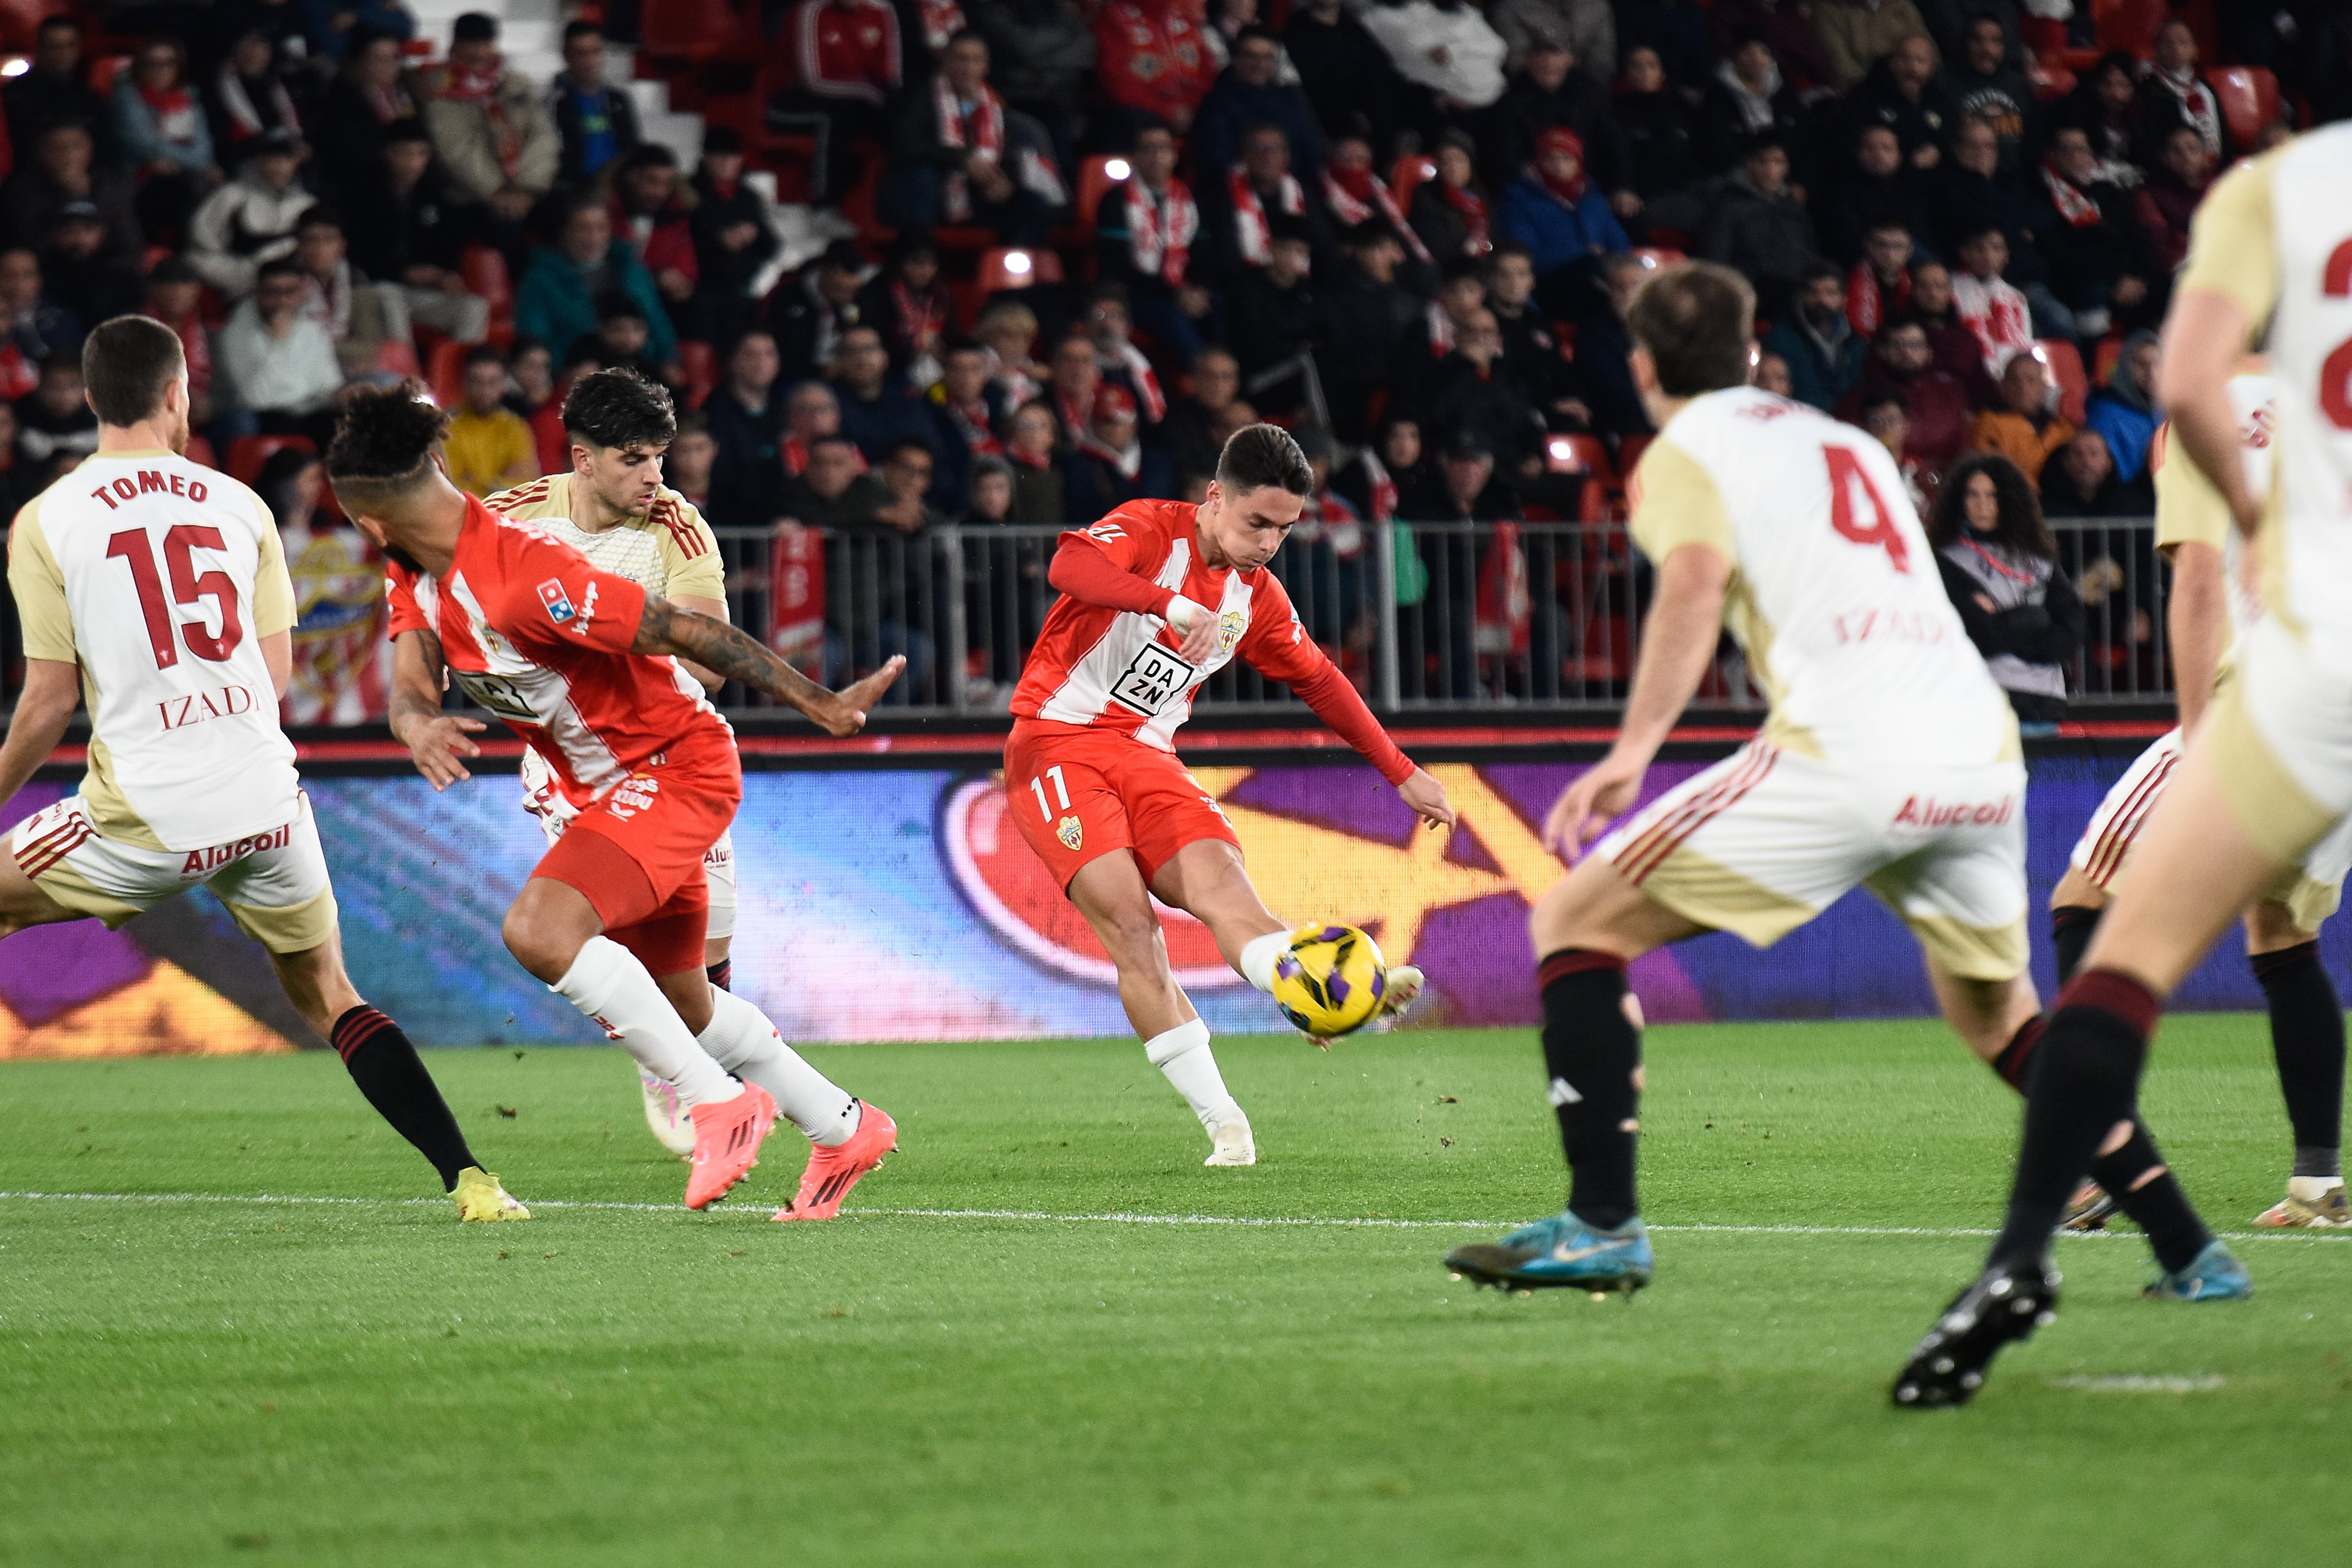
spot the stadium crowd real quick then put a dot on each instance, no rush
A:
(1095, 236)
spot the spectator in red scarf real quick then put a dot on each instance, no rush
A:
(1879, 287)
(965, 407)
(2175, 189)
(1109, 464)
(907, 301)
(962, 157)
(2171, 95)
(1354, 192)
(489, 123)
(1108, 327)
(1073, 379)
(1032, 435)
(648, 213)
(1247, 203)
(1451, 213)
(846, 66)
(160, 135)
(1559, 215)
(812, 414)
(249, 95)
(173, 292)
(368, 99)
(1145, 229)
(2099, 258)
(1150, 59)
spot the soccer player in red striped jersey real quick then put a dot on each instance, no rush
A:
(584, 665)
(1156, 598)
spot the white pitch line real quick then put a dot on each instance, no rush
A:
(1245, 1221)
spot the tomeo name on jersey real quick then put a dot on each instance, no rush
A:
(1834, 594)
(161, 576)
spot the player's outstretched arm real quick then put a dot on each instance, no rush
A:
(52, 687)
(728, 652)
(1678, 641)
(436, 741)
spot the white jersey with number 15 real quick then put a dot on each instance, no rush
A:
(1834, 594)
(161, 576)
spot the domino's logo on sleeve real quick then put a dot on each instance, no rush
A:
(558, 601)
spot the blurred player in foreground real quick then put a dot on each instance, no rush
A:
(613, 509)
(1156, 598)
(582, 664)
(2209, 610)
(165, 583)
(2268, 772)
(1890, 758)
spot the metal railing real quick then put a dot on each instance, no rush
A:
(1423, 618)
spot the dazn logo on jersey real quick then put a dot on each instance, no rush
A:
(558, 600)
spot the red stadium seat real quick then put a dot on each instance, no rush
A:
(246, 454)
(701, 365)
(1582, 455)
(1412, 170)
(697, 30)
(2249, 99)
(2066, 369)
(2050, 82)
(1096, 174)
(104, 70)
(2044, 35)
(1629, 454)
(201, 451)
(485, 271)
(2130, 24)
(1015, 268)
(1656, 255)
(398, 358)
(20, 21)
(445, 373)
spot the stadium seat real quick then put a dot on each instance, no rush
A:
(1412, 169)
(1582, 455)
(485, 271)
(246, 454)
(701, 365)
(201, 451)
(397, 358)
(1656, 255)
(2130, 24)
(1629, 454)
(104, 70)
(2050, 82)
(2249, 99)
(20, 20)
(1015, 268)
(2066, 369)
(697, 30)
(445, 373)
(2044, 35)
(1096, 174)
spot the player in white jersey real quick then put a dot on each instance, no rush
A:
(2209, 609)
(1889, 761)
(2268, 772)
(156, 589)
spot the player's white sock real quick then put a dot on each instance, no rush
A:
(1184, 1053)
(2311, 1189)
(747, 1045)
(608, 983)
(1260, 954)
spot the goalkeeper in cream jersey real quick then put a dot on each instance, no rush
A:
(613, 509)
(154, 589)
(1890, 758)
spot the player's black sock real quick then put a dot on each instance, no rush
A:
(2071, 926)
(2084, 1079)
(2017, 1056)
(389, 1072)
(2308, 1037)
(720, 972)
(1592, 1051)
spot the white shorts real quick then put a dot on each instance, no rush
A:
(2282, 740)
(544, 800)
(274, 884)
(1767, 840)
(2310, 893)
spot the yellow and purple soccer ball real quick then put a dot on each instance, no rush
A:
(1329, 980)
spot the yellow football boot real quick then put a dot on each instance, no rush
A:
(480, 1196)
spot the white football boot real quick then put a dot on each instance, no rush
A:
(668, 1119)
(1234, 1146)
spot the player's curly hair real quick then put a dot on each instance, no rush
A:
(618, 407)
(384, 440)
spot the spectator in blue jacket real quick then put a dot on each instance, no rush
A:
(557, 302)
(1823, 352)
(1556, 212)
(162, 136)
(2124, 411)
(878, 409)
(1248, 96)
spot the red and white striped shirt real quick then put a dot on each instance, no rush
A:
(1101, 666)
(541, 637)
(846, 48)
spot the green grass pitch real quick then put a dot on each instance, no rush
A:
(976, 1366)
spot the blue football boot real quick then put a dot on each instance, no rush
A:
(2213, 1275)
(1559, 1251)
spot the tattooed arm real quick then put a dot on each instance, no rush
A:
(733, 654)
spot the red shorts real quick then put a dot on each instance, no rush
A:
(636, 854)
(1080, 793)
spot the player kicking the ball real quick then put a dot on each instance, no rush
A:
(1889, 761)
(613, 509)
(2209, 610)
(1156, 598)
(2267, 775)
(164, 583)
(582, 664)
